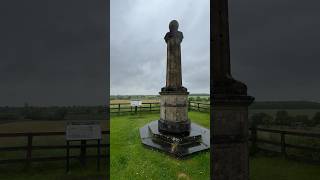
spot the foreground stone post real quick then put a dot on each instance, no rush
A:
(229, 129)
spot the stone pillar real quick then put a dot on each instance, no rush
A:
(174, 97)
(174, 133)
(229, 129)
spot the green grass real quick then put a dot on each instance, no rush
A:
(130, 160)
(279, 168)
(53, 171)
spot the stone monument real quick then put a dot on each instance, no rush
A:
(229, 129)
(173, 132)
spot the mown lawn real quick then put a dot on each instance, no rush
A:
(53, 171)
(130, 160)
(279, 168)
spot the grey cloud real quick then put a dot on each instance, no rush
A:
(138, 51)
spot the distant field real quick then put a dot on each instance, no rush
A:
(38, 126)
(35, 126)
(119, 101)
(291, 112)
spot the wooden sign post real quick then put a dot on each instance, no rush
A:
(83, 131)
(135, 104)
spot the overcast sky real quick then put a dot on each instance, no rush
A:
(138, 50)
(274, 46)
(53, 52)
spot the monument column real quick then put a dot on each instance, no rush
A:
(174, 97)
(174, 133)
(229, 99)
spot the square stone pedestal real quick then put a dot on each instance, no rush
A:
(230, 156)
(174, 112)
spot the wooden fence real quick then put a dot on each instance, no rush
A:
(145, 107)
(126, 107)
(198, 106)
(30, 147)
(257, 143)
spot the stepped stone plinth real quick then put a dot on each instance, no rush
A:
(173, 144)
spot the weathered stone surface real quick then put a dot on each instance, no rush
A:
(230, 155)
(174, 107)
(230, 161)
(173, 40)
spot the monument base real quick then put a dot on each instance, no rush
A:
(177, 145)
(169, 127)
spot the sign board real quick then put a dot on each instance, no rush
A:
(136, 102)
(83, 131)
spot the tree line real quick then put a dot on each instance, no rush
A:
(282, 118)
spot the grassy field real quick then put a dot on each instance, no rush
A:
(278, 168)
(291, 112)
(54, 170)
(130, 160)
(117, 101)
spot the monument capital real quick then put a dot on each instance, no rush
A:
(174, 34)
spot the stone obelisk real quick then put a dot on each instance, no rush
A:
(174, 133)
(229, 129)
(173, 97)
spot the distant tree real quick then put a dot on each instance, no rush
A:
(282, 118)
(60, 114)
(191, 99)
(198, 98)
(261, 119)
(302, 119)
(316, 119)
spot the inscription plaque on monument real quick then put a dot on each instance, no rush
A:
(83, 131)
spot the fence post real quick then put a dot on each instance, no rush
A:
(254, 139)
(83, 152)
(283, 144)
(29, 150)
(119, 108)
(189, 105)
(68, 156)
(150, 107)
(99, 154)
(198, 107)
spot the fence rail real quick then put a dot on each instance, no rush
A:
(283, 145)
(30, 147)
(155, 106)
